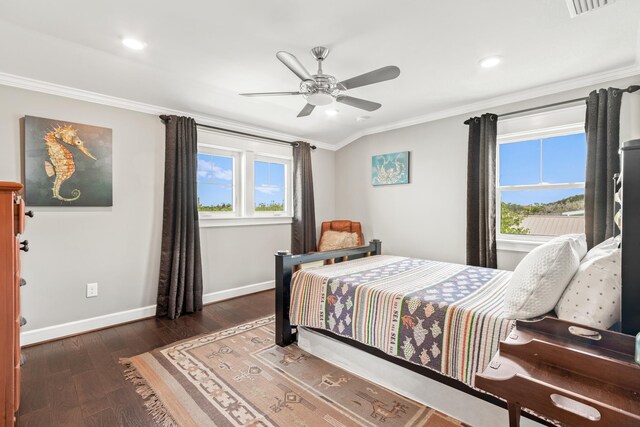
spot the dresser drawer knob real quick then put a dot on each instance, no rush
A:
(22, 282)
(24, 246)
(23, 321)
(29, 214)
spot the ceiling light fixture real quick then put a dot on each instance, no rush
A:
(331, 112)
(133, 43)
(322, 89)
(490, 61)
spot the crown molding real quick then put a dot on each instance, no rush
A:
(127, 104)
(500, 101)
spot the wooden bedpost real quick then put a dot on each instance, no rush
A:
(630, 315)
(287, 263)
(378, 247)
(284, 266)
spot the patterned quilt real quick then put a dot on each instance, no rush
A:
(447, 317)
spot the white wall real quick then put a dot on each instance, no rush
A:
(118, 247)
(427, 218)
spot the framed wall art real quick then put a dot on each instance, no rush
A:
(67, 164)
(390, 169)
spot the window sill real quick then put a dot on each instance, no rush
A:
(519, 244)
(242, 222)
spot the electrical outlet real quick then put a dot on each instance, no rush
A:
(92, 290)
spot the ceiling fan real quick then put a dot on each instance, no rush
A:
(322, 89)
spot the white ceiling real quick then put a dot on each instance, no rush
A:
(201, 54)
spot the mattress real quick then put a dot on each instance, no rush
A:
(446, 317)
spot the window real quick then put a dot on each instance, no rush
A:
(216, 183)
(540, 189)
(269, 186)
(239, 185)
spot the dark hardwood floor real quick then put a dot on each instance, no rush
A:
(77, 381)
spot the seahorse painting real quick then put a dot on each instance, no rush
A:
(67, 164)
(61, 163)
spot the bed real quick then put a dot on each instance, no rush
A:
(440, 320)
(442, 316)
(472, 320)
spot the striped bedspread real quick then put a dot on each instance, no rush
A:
(447, 317)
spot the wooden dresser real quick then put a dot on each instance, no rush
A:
(12, 219)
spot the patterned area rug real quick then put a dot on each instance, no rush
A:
(239, 377)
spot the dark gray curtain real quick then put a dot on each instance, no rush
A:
(303, 228)
(602, 126)
(481, 191)
(180, 283)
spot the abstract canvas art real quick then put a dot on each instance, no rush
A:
(67, 164)
(390, 169)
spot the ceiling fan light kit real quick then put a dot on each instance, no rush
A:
(319, 99)
(322, 89)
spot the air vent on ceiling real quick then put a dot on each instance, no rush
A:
(578, 7)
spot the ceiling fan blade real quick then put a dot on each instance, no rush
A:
(363, 104)
(376, 76)
(306, 110)
(294, 65)
(270, 93)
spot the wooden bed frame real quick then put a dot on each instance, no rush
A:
(287, 264)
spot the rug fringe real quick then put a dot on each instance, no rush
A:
(152, 402)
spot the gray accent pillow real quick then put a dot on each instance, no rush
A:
(593, 295)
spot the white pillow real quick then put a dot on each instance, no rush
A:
(542, 276)
(593, 295)
(578, 243)
(604, 248)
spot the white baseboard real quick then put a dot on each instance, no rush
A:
(237, 292)
(79, 326)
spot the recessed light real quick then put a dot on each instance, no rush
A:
(363, 118)
(133, 43)
(490, 61)
(331, 112)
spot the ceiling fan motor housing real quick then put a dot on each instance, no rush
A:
(320, 91)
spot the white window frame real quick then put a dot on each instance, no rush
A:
(244, 154)
(236, 155)
(524, 242)
(288, 185)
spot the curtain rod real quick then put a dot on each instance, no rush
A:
(164, 119)
(630, 89)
